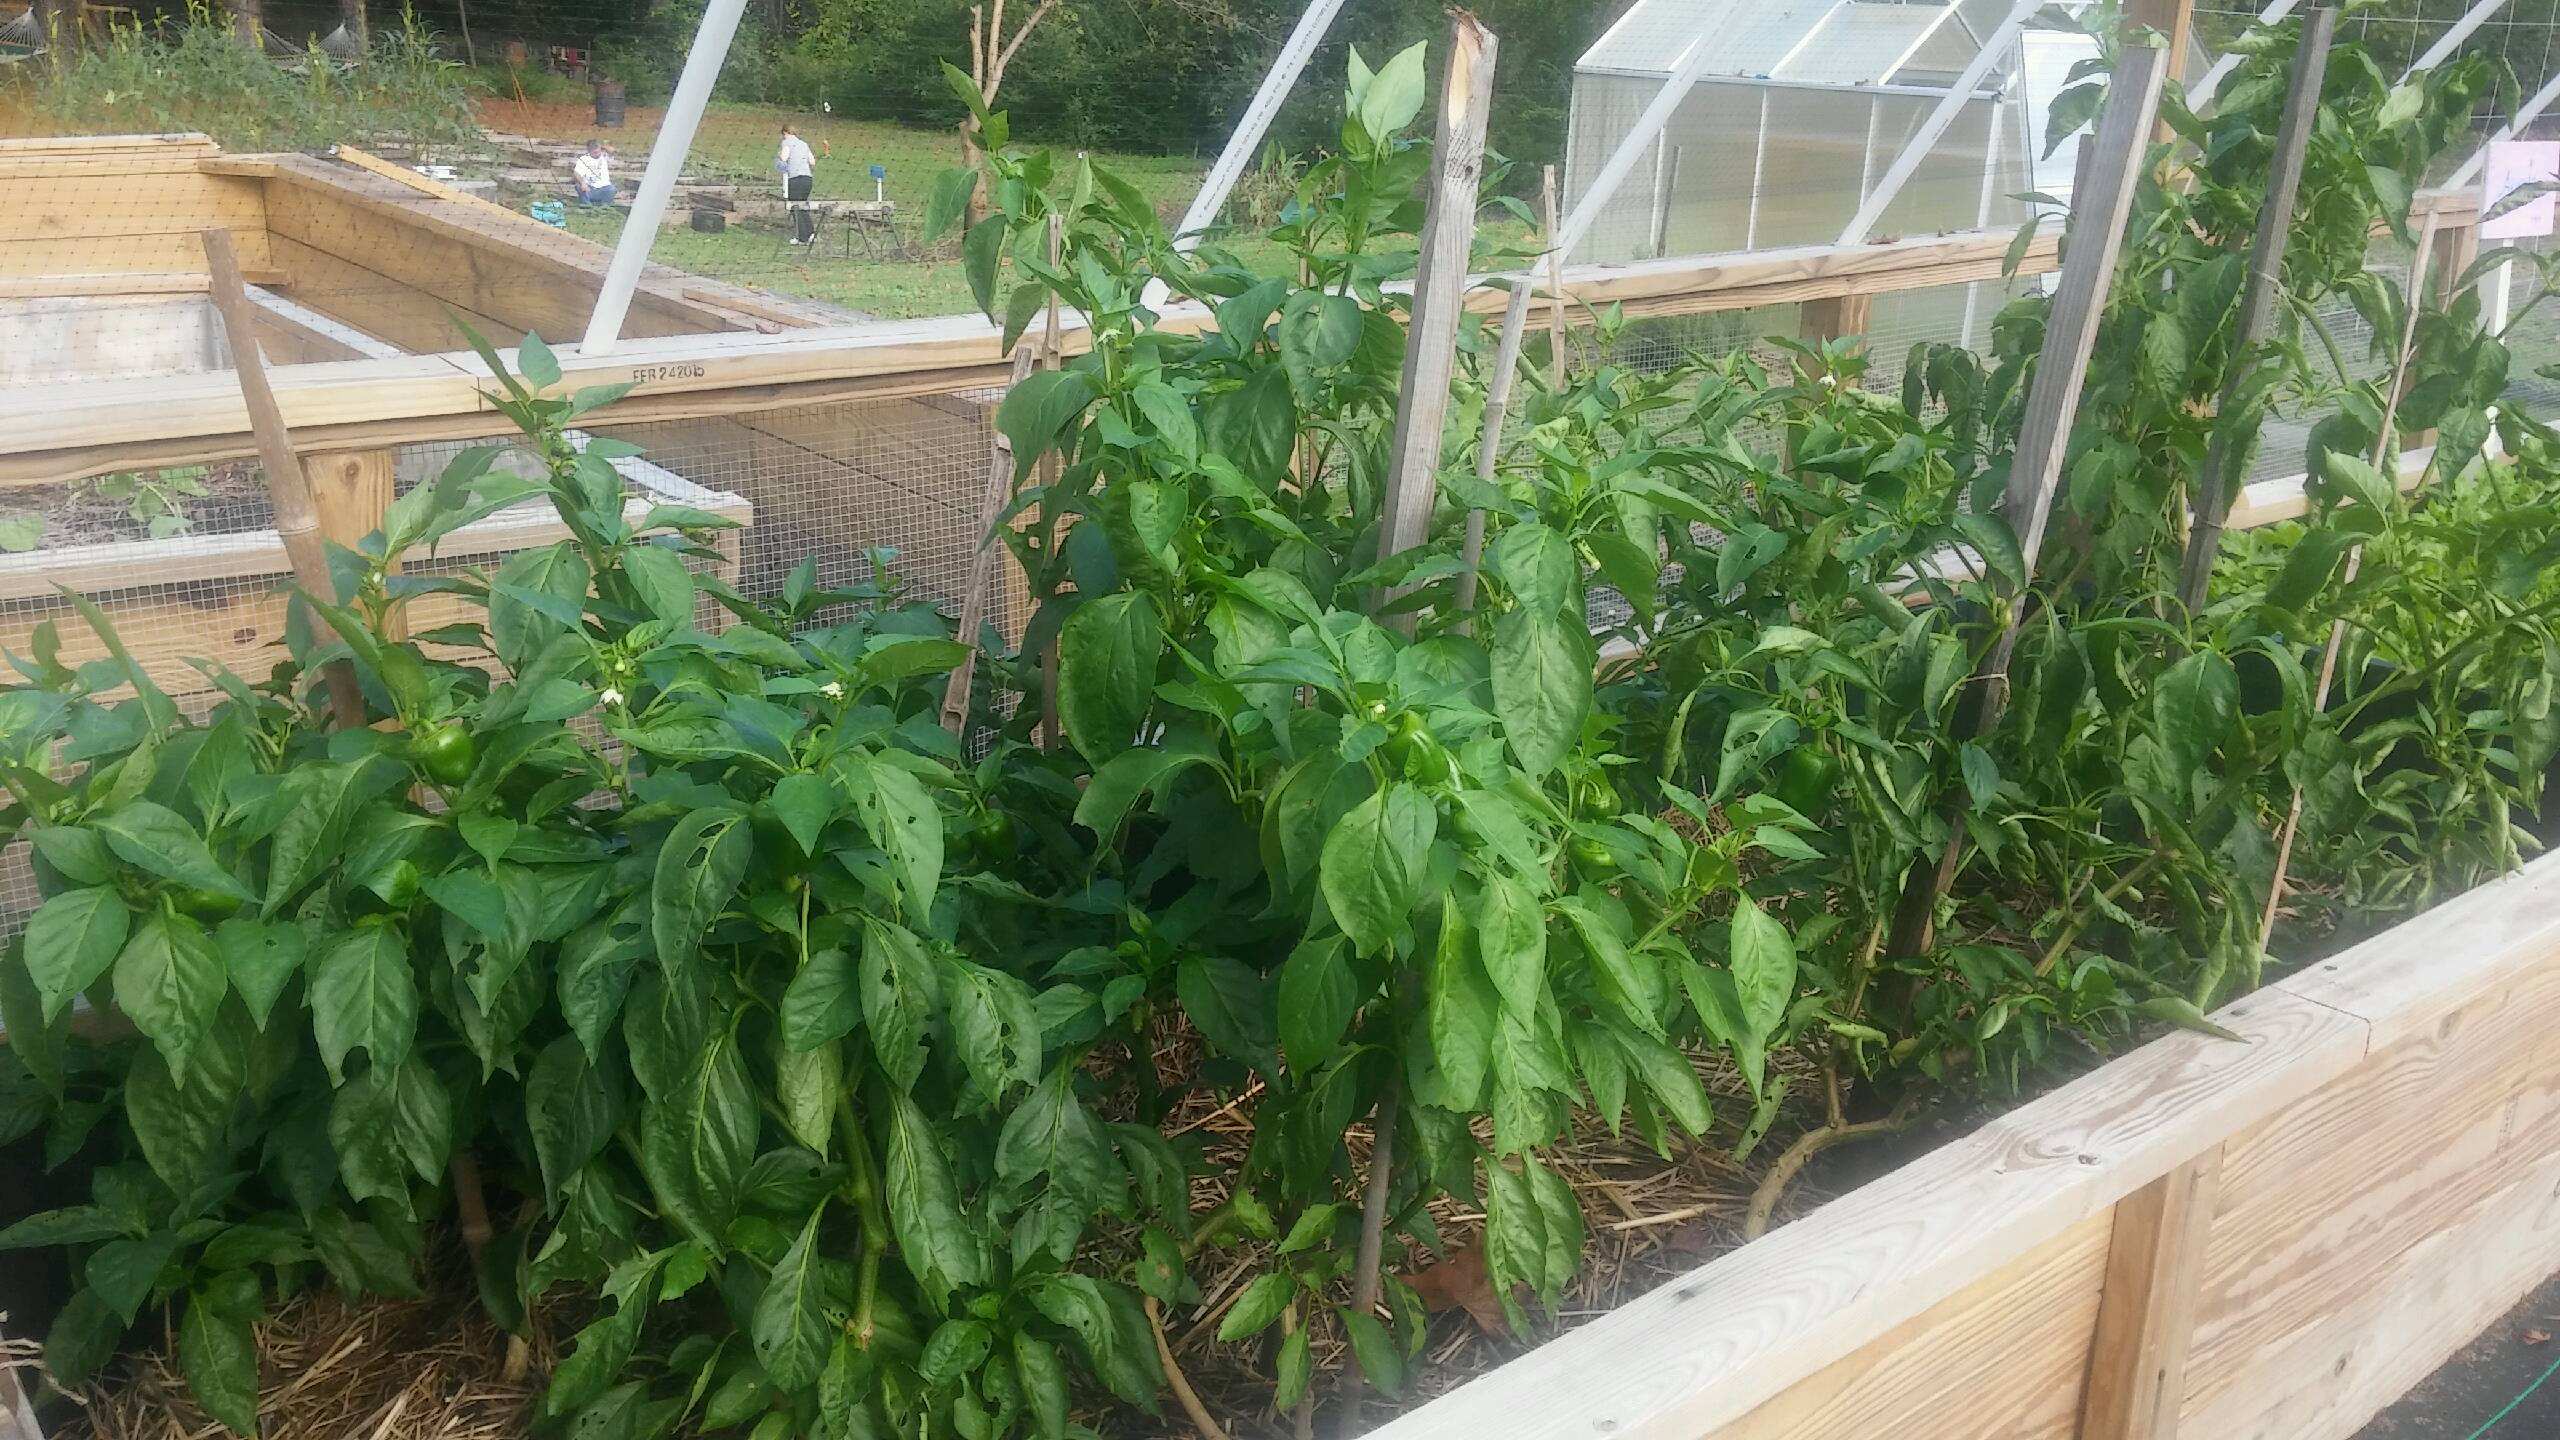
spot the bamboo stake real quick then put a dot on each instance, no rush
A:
(1497, 406)
(2382, 451)
(288, 489)
(2216, 485)
(2111, 170)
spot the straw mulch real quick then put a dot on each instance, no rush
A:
(432, 1369)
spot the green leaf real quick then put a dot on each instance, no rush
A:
(1107, 657)
(1318, 997)
(1511, 935)
(696, 1144)
(572, 1107)
(659, 577)
(159, 840)
(981, 251)
(955, 1352)
(792, 1329)
(1292, 1373)
(363, 996)
(1460, 1007)
(261, 957)
(898, 1002)
(2359, 480)
(1255, 1309)
(123, 1273)
(1229, 1004)
(83, 1338)
(1052, 1135)
(2197, 709)
(996, 1027)
(902, 819)
(804, 803)
(1044, 1383)
(1393, 97)
(1373, 864)
(698, 869)
(169, 983)
(1630, 980)
(388, 1124)
(218, 1353)
(1375, 1350)
(946, 203)
(807, 1086)
(1541, 686)
(183, 1125)
(941, 1248)
(1764, 968)
(822, 1002)
(1120, 782)
(71, 940)
(1537, 565)
(1040, 409)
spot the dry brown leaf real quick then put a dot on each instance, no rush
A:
(1462, 1282)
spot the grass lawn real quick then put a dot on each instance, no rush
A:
(737, 142)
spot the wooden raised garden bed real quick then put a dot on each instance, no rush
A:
(2271, 1237)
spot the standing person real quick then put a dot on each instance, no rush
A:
(799, 173)
(593, 172)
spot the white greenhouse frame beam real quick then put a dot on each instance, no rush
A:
(1649, 126)
(2452, 39)
(1251, 127)
(1933, 129)
(666, 162)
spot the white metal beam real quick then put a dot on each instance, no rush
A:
(1649, 125)
(1255, 123)
(2453, 37)
(666, 162)
(1934, 128)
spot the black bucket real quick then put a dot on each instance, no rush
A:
(609, 104)
(709, 221)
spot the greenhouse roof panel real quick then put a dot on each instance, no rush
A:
(1752, 37)
(1863, 43)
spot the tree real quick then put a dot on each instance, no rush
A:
(989, 53)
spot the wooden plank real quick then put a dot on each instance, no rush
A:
(2472, 945)
(100, 284)
(351, 489)
(112, 208)
(176, 142)
(352, 294)
(247, 167)
(295, 334)
(1834, 317)
(2146, 1314)
(2385, 1330)
(1707, 1349)
(2002, 1357)
(158, 253)
(427, 184)
(143, 172)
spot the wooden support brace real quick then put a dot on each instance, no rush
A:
(350, 490)
(2147, 1309)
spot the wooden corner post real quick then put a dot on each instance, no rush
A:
(1439, 285)
(2147, 1305)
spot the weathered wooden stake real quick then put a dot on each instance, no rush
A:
(297, 518)
(1558, 334)
(1439, 287)
(2111, 168)
(2217, 485)
(998, 493)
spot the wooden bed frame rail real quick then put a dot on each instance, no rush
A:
(2263, 1239)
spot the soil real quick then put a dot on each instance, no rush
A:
(235, 500)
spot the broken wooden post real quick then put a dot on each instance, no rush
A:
(297, 518)
(2218, 484)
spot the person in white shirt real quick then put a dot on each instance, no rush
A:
(593, 172)
(799, 173)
